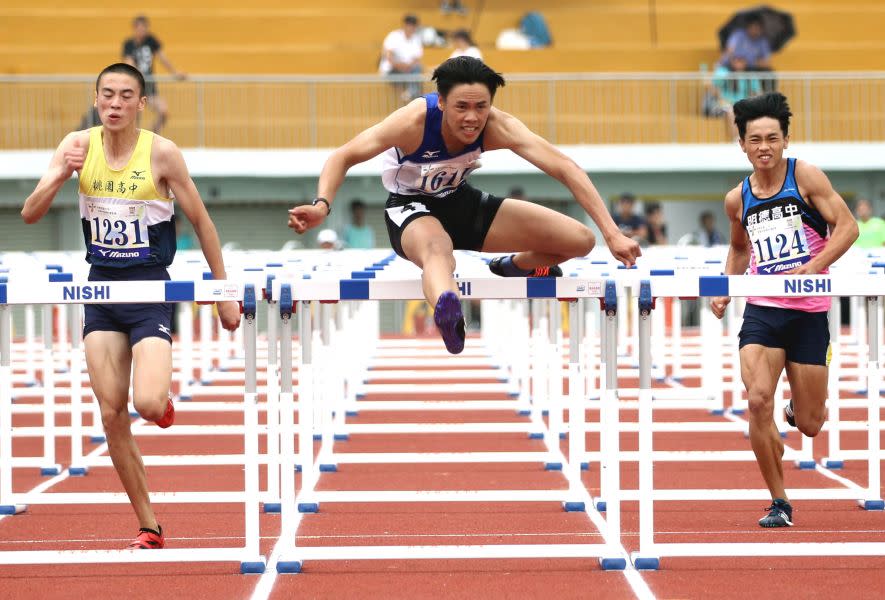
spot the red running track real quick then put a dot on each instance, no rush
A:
(214, 525)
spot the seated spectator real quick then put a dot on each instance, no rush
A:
(464, 45)
(708, 235)
(871, 229)
(657, 229)
(356, 233)
(630, 224)
(401, 54)
(452, 6)
(727, 87)
(327, 239)
(749, 45)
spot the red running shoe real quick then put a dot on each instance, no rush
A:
(148, 539)
(168, 417)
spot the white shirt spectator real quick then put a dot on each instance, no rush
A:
(472, 51)
(402, 49)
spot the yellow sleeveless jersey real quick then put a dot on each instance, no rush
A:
(126, 221)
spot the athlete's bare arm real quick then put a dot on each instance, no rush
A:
(172, 173)
(738, 249)
(68, 158)
(506, 131)
(403, 128)
(816, 187)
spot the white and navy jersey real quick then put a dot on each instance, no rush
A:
(785, 232)
(430, 170)
(126, 221)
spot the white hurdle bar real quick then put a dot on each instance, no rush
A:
(308, 499)
(650, 552)
(69, 292)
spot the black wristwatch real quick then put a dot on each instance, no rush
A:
(324, 201)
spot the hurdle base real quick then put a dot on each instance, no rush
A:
(97, 439)
(614, 563)
(738, 411)
(133, 414)
(833, 463)
(272, 508)
(536, 436)
(524, 412)
(288, 566)
(600, 505)
(12, 509)
(574, 507)
(253, 567)
(185, 397)
(351, 413)
(308, 507)
(78, 471)
(645, 563)
(872, 504)
(553, 466)
(718, 412)
(341, 437)
(50, 471)
(317, 437)
(585, 466)
(328, 468)
(805, 464)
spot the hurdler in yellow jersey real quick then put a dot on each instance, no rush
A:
(126, 221)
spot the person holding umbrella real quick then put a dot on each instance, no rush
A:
(748, 44)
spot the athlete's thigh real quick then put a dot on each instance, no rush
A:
(422, 236)
(808, 387)
(521, 225)
(151, 366)
(761, 368)
(109, 361)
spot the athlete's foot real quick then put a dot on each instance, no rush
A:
(168, 417)
(780, 514)
(148, 539)
(789, 416)
(450, 321)
(503, 266)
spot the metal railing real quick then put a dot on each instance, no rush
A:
(321, 112)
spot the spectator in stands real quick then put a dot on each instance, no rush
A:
(401, 54)
(871, 229)
(139, 51)
(631, 224)
(327, 239)
(452, 6)
(729, 85)
(356, 233)
(463, 44)
(657, 229)
(708, 235)
(749, 45)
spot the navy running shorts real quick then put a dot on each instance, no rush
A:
(466, 215)
(138, 321)
(804, 336)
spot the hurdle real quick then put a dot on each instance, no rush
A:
(69, 292)
(651, 552)
(304, 293)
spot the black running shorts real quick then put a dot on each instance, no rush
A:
(805, 336)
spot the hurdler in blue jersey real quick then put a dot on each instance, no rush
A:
(128, 178)
(430, 147)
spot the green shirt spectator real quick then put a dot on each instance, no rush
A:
(357, 234)
(871, 229)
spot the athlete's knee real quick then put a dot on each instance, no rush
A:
(810, 424)
(584, 242)
(115, 418)
(761, 404)
(151, 406)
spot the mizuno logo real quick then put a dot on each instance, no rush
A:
(430, 154)
(165, 329)
(137, 174)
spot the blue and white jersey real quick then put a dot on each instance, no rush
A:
(430, 170)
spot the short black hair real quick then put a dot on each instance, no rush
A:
(465, 69)
(357, 203)
(141, 20)
(627, 197)
(410, 20)
(652, 207)
(772, 104)
(754, 19)
(707, 215)
(125, 69)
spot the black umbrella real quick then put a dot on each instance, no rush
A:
(777, 25)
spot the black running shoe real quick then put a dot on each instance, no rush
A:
(495, 267)
(789, 415)
(450, 321)
(780, 514)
